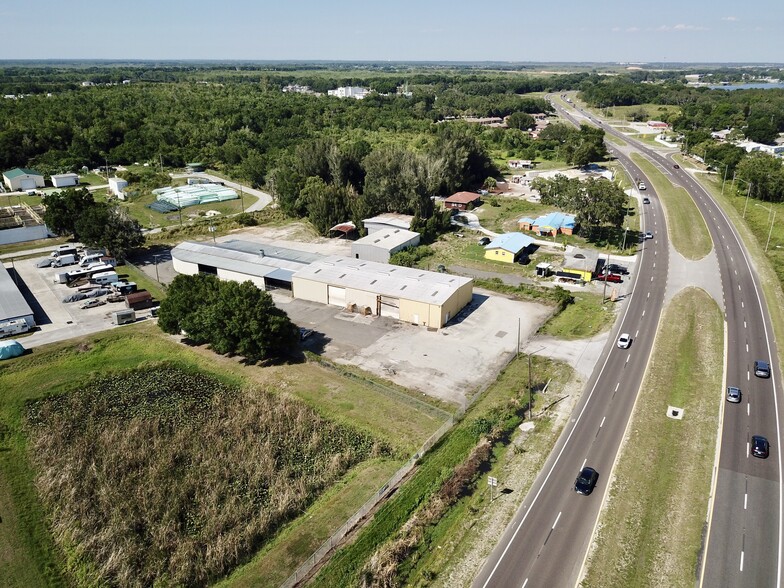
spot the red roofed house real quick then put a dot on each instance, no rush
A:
(462, 201)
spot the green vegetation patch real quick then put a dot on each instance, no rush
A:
(584, 318)
(687, 229)
(160, 475)
(651, 530)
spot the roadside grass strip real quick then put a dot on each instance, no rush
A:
(688, 231)
(650, 530)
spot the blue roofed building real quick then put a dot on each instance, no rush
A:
(549, 224)
(507, 247)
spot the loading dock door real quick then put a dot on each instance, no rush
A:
(336, 296)
(389, 307)
(27, 184)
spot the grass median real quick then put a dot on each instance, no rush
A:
(650, 531)
(687, 229)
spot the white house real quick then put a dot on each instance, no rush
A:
(20, 179)
(349, 92)
(64, 180)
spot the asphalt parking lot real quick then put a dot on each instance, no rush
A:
(57, 320)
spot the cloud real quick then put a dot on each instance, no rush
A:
(729, 18)
(616, 29)
(632, 30)
(678, 28)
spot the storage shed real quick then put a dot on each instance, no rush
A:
(412, 295)
(116, 186)
(64, 180)
(382, 244)
(20, 179)
(388, 220)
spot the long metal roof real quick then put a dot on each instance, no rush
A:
(384, 279)
(253, 259)
(12, 303)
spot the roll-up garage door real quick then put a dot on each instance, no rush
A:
(27, 184)
(336, 296)
(390, 307)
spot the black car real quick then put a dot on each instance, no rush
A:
(760, 446)
(676, 166)
(484, 241)
(586, 481)
(761, 369)
(617, 269)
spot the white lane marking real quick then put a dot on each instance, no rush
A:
(747, 448)
(744, 325)
(748, 409)
(736, 272)
(649, 295)
(556, 520)
(602, 423)
(746, 501)
(748, 375)
(738, 287)
(585, 461)
(618, 385)
(741, 561)
(747, 347)
(643, 313)
(742, 305)
(651, 278)
(654, 264)
(524, 583)
(637, 334)
(628, 357)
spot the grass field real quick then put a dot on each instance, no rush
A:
(650, 532)
(27, 554)
(688, 232)
(584, 318)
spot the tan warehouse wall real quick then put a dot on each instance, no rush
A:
(184, 267)
(238, 277)
(309, 290)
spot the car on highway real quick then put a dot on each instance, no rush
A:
(733, 394)
(646, 200)
(760, 446)
(586, 481)
(624, 341)
(676, 166)
(648, 235)
(642, 186)
(761, 369)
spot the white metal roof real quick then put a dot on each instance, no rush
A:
(384, 279)
(253, 259)
(394, 219)
(12, 303)
(388, 238)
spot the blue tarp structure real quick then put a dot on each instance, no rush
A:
(11, 348)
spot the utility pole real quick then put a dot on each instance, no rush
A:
(606, 273)
(726, 169)
(155, 257)
(748, 193)
(770, 231)
(530, 391)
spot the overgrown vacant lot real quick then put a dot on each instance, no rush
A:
(162, 475)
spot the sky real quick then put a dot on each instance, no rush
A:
(661, 31)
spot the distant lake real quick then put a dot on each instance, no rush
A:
(755, 86)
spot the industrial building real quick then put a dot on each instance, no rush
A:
(412, 295)
(267, 266)
(388, 220)
(13, 305)
(64, 180)
(20, 179)
(383, 244)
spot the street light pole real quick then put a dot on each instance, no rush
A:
(726, 169)
(748, 193)
(626, 230)
(155, 257)
(770, 231)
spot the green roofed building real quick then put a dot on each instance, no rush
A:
(20, 179)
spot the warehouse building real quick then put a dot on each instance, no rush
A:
(383, 244)
(20, 179)
(64, 180)
(267, 266)
(408, 294)
(13, 305)
(388, 220)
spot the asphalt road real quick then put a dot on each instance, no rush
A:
(744, 534)
(546, 542)
(744, 542)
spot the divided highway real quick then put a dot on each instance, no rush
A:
(547, 540)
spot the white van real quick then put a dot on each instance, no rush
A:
(104, 278)
(88, 259)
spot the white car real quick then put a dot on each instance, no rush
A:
(624, 341)
(648, 235)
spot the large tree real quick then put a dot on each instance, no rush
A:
(64, 209)
(231, 317)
